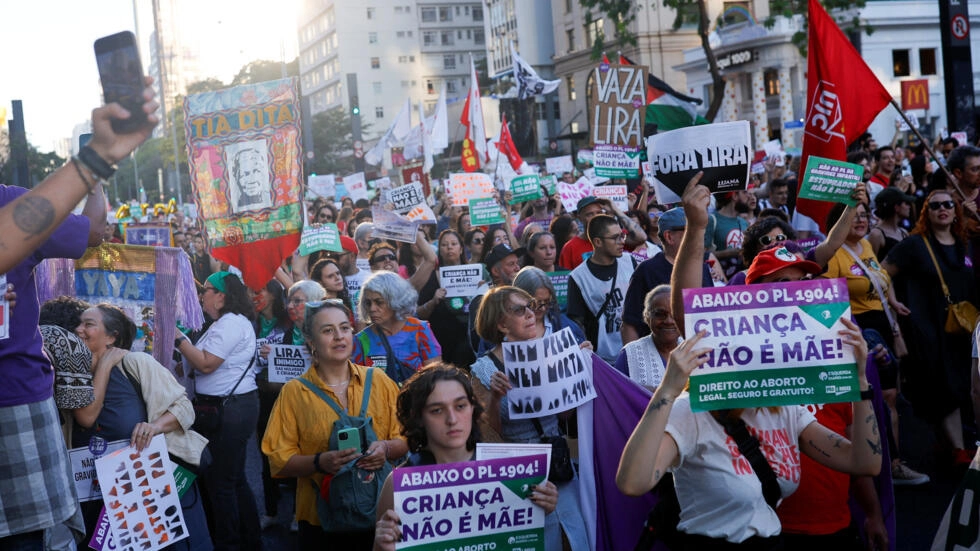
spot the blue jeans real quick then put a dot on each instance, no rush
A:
(234, 516)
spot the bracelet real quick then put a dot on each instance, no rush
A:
(99, 166)
(89, 182)
(316, 463)
(181, 338)
(385, 442)
(868, 394)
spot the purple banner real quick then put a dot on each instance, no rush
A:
(744, 297)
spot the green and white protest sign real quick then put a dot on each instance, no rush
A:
(550, 183)
(771, 345)
(485, 211)
(523, 188)
(471, 505)
(830, 180)
(326, 237)
(559, 280)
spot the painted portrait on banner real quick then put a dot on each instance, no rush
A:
(249, 182)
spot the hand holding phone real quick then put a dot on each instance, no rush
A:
(121, 73)
(349, 439)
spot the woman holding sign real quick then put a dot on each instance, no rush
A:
(447, 317)
(439, 412)
(508, 313)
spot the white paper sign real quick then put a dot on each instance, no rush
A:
(322, 186)
(559, 165)
(571, 193)
(287, 362)
(464, 186)
(615, 194)
(409, 201)
(356, 186)
(140, 496)
(721, 150)
(461, 281)
(83, 469)
(388, 225)
(548, 375)
(495, 450)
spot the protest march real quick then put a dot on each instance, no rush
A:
(667, 325)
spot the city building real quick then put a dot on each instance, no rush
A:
(173, 59)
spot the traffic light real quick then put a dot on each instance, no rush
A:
(355, 108)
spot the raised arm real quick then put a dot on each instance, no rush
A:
(826, 250)
(690, 254)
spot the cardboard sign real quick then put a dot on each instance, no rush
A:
(471, 505)
(571, 193)
(559, 165)
(4, 309)
(322, 186)
(287, 362)
(149, 235)
(723, 151)
(323, 238)
(548, 375)
(484, 212)
(615, 194)
(461, 281)
(409, 201)
(830, 180)
(524, 188)
(388, 225)
(559, 280)
(771, 344)
(356, 186)
(413, 172)
(469, 185)
(619, 109)
(140, 495)
(83, 468)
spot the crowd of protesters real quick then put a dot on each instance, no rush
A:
(390, 350)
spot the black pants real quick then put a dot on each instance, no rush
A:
(844, 540)
(692, 542)
(270, 486)
(313, 537)
(233, 514)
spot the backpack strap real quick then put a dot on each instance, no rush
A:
(323, 395)
(367, 392)
(748, 445)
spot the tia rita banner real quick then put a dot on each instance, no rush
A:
(243, 145)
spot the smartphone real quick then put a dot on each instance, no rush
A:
(349, 438)
(121, 73)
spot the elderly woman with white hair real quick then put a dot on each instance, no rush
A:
(645, 359)
(548, 318)
(396, 341)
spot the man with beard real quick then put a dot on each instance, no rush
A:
(725, 227)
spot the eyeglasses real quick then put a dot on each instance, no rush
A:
(519, 309)
(538, 305)
(660, 314)
(619, 238)
(383, 258)
(936, 205)
(862, 216)
(767, 239)
(208, 288)
(477, 241)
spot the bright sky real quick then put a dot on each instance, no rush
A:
(48, 60)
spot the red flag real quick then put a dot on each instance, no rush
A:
(469, 158)
(506, 146)
(843, 98)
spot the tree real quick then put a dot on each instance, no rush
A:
(623, 14)
(39, 165)
(262, 70)
(333, 142)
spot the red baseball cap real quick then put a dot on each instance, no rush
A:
(772, 260)
(348, 244)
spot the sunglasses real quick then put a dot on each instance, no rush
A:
(383, 258)
(519, 309)
(767, 240)
(936, 205)
(477, 241)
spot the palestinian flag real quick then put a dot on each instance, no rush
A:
(667, 108)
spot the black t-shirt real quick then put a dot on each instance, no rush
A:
(578, 310)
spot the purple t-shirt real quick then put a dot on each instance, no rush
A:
(26, 373)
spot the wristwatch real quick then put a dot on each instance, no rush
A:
(177, 341)
(868, 394)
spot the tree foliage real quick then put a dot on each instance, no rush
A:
(333, 142)
(39, 164)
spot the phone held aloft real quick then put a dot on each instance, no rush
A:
(121, 73)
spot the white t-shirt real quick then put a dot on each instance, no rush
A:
(719, 493)
(354, 282)
(232, 338)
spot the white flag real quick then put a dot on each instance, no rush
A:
(438, 123)
(529, 84)
(426, 141)
(394, 137)
(477, 129)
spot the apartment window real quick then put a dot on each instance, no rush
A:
(477, 13)
(404, 84)
(428, 15)
(449, 61)
(379, 112)
(479, 38)
(399, 9)
(927, 61)
(445, 14)
(377, 87)
(568, 5)
(466, 10)
(457, 10)
(410, 33)
(459, 34)
(375, 62)
(451, 86)
(430, 87)
(570, 85)
(372, 38)
(570, 37)
(771, 79)
(370, 13)
(900, 63)
(400, 34)
(447, 38)
(430, 38)
(593, 31)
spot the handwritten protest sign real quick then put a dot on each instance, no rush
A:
(140, 496)
(469, 185)
(471, 505)
(548, 375)
(550, 183)
(773, 344)
(559, 165)
(559, 280)
(830, 180)
(287, 362)
(461, 281)
(723, 151)
(526, 187)
(4, 310)
(388, 225)
(150, 235)
(83, 467)
(615, 194)
(484, 212)
(323, 238)
(409, 201)
(618, 111)
(322, 186)
(571, 193)
(356, 186)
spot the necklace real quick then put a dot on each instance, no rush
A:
(338, 384)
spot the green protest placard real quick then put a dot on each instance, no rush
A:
(550, 183)
(484, 212)
(323, 238)
(524, 188)
(772, 344)
(830, 180)
(559, 280)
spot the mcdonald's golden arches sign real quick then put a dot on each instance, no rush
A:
(915, 94)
